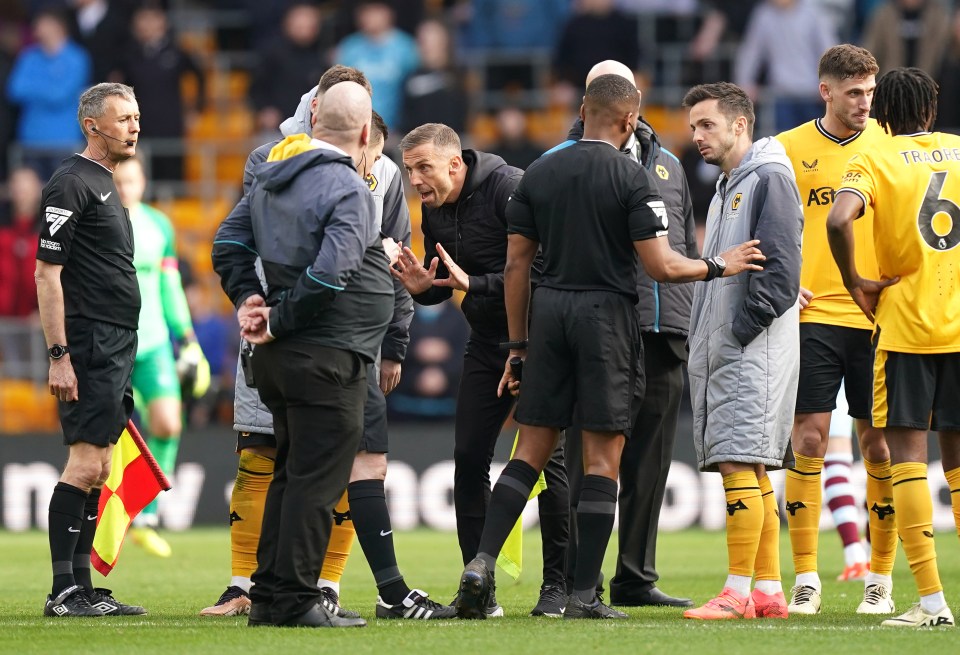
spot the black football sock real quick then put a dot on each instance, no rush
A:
(88, 528)
(371, 520)
(598, 503)
(64, 520)
(507, 501)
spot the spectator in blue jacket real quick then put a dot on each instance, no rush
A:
(46, 82)
(385, 54)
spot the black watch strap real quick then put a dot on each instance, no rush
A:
(56, 351)
(712, 269)
(519, 344)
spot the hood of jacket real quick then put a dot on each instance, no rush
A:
(299, 123)
(645, 135)
(291, 157)
(479, 167)
(765, 151)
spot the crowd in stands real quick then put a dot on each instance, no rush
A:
(505, 74)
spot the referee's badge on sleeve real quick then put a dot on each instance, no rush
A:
(661, 211)
(56, 217)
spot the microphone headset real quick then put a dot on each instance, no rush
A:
(127, 143)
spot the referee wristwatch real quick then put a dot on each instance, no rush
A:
(721, 265)
(715, 267)
(56, 351)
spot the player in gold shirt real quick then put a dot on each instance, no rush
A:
(912, 182)
(834, 334)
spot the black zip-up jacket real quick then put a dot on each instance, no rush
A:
(473, 230)
(664, 307)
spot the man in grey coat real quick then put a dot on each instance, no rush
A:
(744, 344)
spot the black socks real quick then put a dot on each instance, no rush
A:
(507, 501)
(88, 528)
(371, 520)
(64, 527)
(595, 513)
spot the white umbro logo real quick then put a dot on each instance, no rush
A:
(56, 217)
(104, 607)
(59, 610)
(104, 196)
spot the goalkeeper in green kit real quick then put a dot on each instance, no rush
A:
(157, 374)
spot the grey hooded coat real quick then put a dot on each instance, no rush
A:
(744, 330)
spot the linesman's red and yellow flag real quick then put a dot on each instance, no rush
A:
(135, 480)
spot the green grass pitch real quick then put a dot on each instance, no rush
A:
(691, 563)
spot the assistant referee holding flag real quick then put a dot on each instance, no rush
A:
(89, 305)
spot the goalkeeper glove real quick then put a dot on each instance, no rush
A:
(193, 369)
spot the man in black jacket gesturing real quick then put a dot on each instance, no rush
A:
(464, 195)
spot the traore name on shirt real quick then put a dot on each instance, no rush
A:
(930, 156)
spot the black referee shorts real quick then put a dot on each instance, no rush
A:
(102, 355)
(584, 351)
(374, 415)
(829, 355)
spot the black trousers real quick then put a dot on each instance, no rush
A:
(479, 420)
(316, 395)
(644, 467)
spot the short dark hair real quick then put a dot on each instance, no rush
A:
(378, 128)
(441, 136)
(93, 101)
(732, 101)
(905, 101)
(340, 73)
(844, 61)
(609, 97)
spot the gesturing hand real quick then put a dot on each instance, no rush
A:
(458, 278)
(866, 293)
(742, 258)
(411, 273)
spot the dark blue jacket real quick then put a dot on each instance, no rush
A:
(311, 220)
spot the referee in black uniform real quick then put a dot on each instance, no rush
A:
(89, 305)
(592, 211)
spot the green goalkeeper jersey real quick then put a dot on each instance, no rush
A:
(164, 305)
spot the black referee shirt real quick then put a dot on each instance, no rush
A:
(87, 230)
(586, 205)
